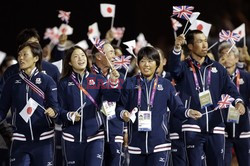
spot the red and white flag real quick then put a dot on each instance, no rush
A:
(241, 30)
(93, 31)
(175, 24)
(107, 10)
(28, 110)
(118, 32)
(141, 42)
(64, 16)
(52, 34)
(122, 61)
(225, 101)
(202, 26)
(65, 29)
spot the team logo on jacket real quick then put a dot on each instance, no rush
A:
(241, 81)
(38, 81)
(18, 82)
(160, 87)
(91, 82)
(214, 70)
(70, 84)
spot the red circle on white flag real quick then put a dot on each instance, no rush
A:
(90, 30)
(109, 10)
(200, 27)
(29, 110)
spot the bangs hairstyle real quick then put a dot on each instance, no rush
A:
(36, 50)
(150, 53)
(67, 69)
(26, 34)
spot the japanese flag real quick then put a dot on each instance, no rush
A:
(28, 110)
(202, 26)
(65, 29)
(241, 30)
(107, 10)
(59, 65)
(93, 31)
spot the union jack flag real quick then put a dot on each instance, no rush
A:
(64, 16)
(229, 36)
(225, 101)
(98, 43)
(122, 61)
(175, 24)
(183, 12)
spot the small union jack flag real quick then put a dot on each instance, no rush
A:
(98, 43)
(175, 24)
(64, 16)
(183, 12)
(122, 61)
(229, 36)
(225, 101)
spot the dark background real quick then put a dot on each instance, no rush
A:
(151, 17)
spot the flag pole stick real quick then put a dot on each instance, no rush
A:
(175, 34)
(212, 46)
(112, 22)
(126, 74)
(185, 26)
(244, 41)
(119, 42)
(230, 48)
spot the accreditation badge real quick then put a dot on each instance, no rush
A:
(233, 115)
(205, 98)
(108, 109)
(144, 121)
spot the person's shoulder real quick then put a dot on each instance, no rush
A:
(48, 65)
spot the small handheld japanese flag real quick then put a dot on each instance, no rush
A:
(93, 31)
(28, 110)
(202, 26)
(107, 10)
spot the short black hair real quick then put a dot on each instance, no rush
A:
(150, 53)
(26, 34)
(190, 36)
(36, 50)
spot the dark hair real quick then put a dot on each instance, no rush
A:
(67, 69)
(150, 53)
(36, 50)
(190, 36)
(26, 34)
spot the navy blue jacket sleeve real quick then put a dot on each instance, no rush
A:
(175, 104)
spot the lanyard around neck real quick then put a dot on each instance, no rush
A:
(152, 94)
(83, 90)
(196, 78)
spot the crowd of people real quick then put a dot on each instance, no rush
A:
(92, 113)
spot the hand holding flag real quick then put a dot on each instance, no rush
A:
(225, 102)
(28, 109)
